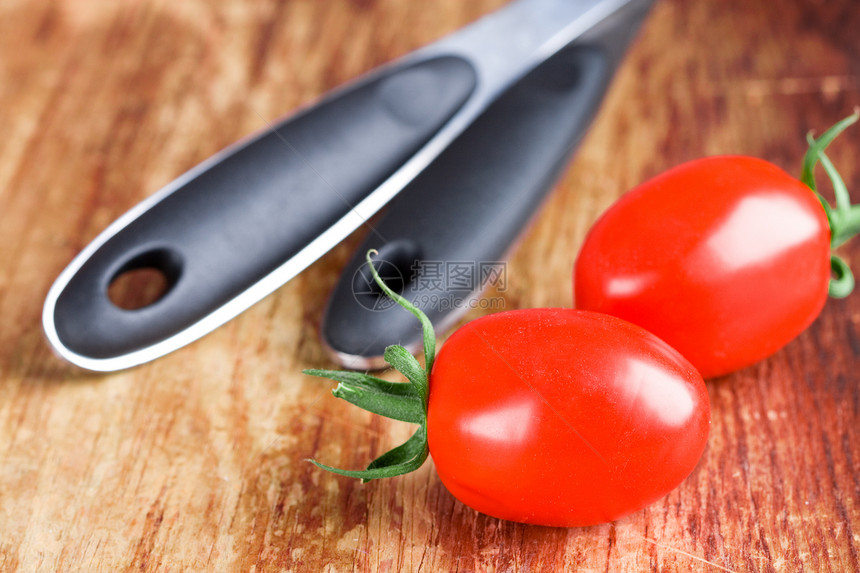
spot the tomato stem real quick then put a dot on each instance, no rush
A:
(842, 282)
(844, 218)
(406, 402)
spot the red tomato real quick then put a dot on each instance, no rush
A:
(562, 417)
(725, 258)
(554, 417)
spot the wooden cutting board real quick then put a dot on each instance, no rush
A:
(196, 462)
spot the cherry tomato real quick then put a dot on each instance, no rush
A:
(562, 417)
(553, 417)
(725, 258)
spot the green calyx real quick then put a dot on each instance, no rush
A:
(406, 402)
(844, 218)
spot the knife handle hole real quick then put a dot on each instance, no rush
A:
(390, 273)
(394, 263)
(144, 279)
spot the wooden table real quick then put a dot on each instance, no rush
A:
(196, 461)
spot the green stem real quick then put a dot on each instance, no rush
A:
(844, 218)
(405, 458)
(405, 402)
(842, 282)
(426, 325)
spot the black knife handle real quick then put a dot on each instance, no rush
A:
(225, 225)
(448, 232)
(469, 206)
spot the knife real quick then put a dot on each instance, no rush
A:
(445, 237)
(239, 225)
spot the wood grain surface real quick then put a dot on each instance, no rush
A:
(196, 462)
